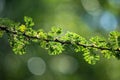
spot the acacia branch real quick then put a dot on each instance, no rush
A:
(4, 28)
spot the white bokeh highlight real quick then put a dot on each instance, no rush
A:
(36, 66)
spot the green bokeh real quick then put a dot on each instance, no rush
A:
(71, 15)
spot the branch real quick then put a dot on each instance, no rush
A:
(21, 35)
(57, 40)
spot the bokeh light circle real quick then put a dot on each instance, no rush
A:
(108, 21)
(92, 7)
(37, 65)
(64, 64)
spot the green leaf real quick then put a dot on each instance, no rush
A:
(54, 33)
(98, 41)
(28, 21)
(56, 30)
(55, 48)
(107, 54)
(18, 43)
(41, 34)
(114, 39)
(22, 28)
(73, 38)
(89, 57)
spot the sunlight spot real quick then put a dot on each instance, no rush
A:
(64, 64)
(108, 21)
(36, 65)
(92, 7)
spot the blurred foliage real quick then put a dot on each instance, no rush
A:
(71, 15)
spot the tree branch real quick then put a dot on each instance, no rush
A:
(3, 28)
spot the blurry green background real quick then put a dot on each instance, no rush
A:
(85, 17)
